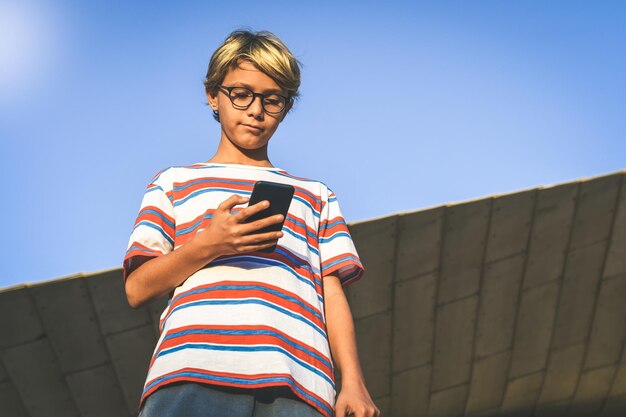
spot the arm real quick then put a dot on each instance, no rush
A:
(340, 326)
(226, 234)
(162, 274)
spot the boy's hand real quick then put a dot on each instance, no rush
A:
(355, 401)
(227, 233)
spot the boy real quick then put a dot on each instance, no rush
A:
(246, 333)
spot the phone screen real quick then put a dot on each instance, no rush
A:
(279, 195)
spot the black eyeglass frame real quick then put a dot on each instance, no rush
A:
(254, 96)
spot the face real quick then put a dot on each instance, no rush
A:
(249, 128)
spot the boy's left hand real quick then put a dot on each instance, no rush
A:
(354, 400)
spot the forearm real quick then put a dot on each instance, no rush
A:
(341, 334)
(162, 274)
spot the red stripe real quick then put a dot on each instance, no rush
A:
(144, 214)
(340, 226)
(240, 294)
(247, 340)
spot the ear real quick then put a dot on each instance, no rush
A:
(287, 108)
(212, 99)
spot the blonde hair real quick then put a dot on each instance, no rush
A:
(264, 50)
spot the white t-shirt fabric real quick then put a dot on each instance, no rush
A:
(247, 320)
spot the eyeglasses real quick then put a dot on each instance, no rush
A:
(243, 97)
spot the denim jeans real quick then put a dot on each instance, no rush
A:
(190, 399)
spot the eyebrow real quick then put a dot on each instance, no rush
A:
(269, 90)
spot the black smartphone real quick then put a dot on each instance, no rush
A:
(280, 196)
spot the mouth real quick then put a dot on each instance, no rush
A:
(255, 128)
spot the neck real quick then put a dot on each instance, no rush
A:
(229, 153)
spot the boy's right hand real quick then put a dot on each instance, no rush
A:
(227, 233)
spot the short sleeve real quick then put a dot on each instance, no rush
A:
(154, 229)
(337, 251)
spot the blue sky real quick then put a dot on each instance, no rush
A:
(405, 105)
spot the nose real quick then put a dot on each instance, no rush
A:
(256, 108)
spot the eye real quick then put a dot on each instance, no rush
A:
(274, 100)
(240, 93)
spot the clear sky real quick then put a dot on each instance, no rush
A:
(405, 105)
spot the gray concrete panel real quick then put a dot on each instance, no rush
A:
(130, 354)
(614, 407)
(108, 296)
(375, 243)
(373, 336)
(510, 225)
(485, 413)
(10, 400)
(70, 322)
(418, 243)
(488, 383)
(616, 259)
(454, 336)
(557, 409)
(97, 392)
(533, 329)
(521, 395)
(498, 305)
(411, 392)
(592, 391)
(609, 325)
(619, 384)
(564, 368)
(579, 290)
(465, 232)
(449, 402)
(19, 321)
(550, 233)
(414, 311)
(34, 369)
(595, 210)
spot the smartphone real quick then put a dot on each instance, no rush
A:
(280, 196)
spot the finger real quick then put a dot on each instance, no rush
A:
(249, 228)
(232, 201)
(243, 214)
(252, 248)
(260, 237)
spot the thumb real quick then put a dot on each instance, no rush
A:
(340, 411)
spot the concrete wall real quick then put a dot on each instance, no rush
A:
(511, 305)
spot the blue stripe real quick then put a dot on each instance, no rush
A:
(174, 335)
(249, 301)
(151, 252)
(239, 192)
(209, 180)
(165, 220)
(250, 287)
(238, 348)
(155, 188)
(264, 261)
(333, 236)
(328, 225)
(353, 258)
(157, 228)
(345, 280)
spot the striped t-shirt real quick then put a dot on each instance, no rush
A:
(247, 320)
